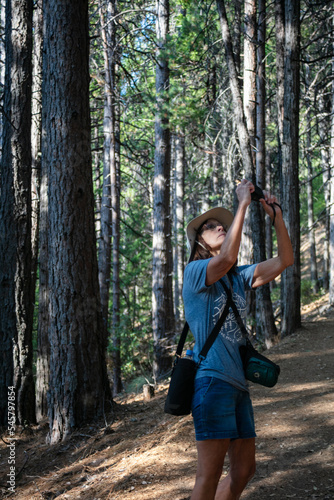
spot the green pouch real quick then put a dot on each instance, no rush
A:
(258, 368)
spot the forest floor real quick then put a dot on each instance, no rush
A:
(144, 454)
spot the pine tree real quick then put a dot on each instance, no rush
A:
(79, 388)
(16, 308)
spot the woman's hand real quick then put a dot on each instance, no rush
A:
(243, 192)
(269, 269)
(267, 202)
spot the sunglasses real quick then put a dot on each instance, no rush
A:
(211, 226)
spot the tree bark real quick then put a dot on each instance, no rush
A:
(268, 229)
(41, 182)
(36, 132)
(290, 289)
(242, 131)
(97, 180)
(79, 386)
(178, 227)
(116, 219)
(260, 139)
(43, 341)
(2, 57)
(246, 254)
(235, 166)
(108, 39)
(249, 103)
(266, 328)
(331, 204)
(236, 35)
(162, 301)
(42, 369)
(280, 60)
(244, 140)
(16, 309)
(324, 126)
(110, 203)
(331, 230)
(249, 89)
(310, 210)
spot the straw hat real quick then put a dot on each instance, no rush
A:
(219, 213)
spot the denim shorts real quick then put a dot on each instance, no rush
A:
(221, 411)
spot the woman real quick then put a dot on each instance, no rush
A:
(222, 409)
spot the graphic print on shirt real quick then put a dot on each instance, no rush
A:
(230, 329)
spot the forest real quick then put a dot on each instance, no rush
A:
(120, 122)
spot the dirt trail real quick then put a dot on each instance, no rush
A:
(147, 455)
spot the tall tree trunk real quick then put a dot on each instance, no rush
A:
(244, 140)
(280, 60)
(97, 182)
(178, 226)
(252, 217)
(249, 89)
(268, 229)
(331, 218)
(290, 289)
(43, 348)
(36, 132)
(260, 139)
(110, 203)
(236, 166)
(43, 341)
(212, 135)
(236, 35)
(108, 38)
(266, 328)
(324, 126)
(162, 301)
(116, 217)
(331, 204)
(310, 210)
(16, 308)
(78, 376)
(249, 102)
(2, 58)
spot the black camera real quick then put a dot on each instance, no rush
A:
(257, 194)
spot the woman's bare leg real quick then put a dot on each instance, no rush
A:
(211, 455)
(242, 468)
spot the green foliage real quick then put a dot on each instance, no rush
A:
(136, 349)
(199, 109)
(318, 201)
(308, 295)
(136, 384)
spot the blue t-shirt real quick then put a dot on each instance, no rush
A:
(203, 307)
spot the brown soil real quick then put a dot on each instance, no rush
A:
(145, 454)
